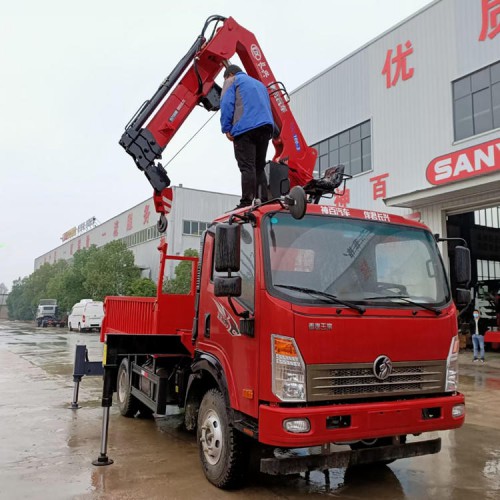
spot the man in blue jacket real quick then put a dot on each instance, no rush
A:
(247, 120)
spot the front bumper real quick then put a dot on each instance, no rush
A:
(366, 420)
(382, 454)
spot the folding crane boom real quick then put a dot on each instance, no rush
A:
(192, 83)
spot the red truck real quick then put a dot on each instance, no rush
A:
(306, 324)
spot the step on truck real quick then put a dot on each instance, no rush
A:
(306, 325)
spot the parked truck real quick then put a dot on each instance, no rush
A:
(306, 324)
(47, 314)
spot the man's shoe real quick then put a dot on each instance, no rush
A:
(242, 205)
(482, 361)
(475, 360)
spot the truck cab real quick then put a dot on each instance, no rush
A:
(336, 327)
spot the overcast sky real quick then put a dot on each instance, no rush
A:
(72, 74)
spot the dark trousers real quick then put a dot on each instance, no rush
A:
(250, 151)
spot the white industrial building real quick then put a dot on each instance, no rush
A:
(414, 115)
(191, 212)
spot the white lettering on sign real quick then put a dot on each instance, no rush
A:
(340, 211)
(379, 216)
(477, 160)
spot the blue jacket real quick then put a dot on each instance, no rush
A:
(245, 105)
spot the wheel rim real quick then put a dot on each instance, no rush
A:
(122, 386)
(211, 437)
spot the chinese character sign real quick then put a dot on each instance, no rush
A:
(87, 241)
(147, 213)
(490, 19)
(115, 228)
(379, 186)
(342, 200)
(130, 222)
(396, 67)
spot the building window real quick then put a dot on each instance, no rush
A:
(351, 148)
(148, 234)
(488, 270)
(194, 228)
(476, 102)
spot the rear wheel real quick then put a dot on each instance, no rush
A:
(127, 403)
(221, 446)
(80, 328)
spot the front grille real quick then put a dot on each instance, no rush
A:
(351, 381)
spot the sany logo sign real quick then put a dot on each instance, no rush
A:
(477, 160)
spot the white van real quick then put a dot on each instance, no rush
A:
(86, 315)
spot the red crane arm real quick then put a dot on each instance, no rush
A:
(157, 121)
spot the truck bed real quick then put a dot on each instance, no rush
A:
(167, 314)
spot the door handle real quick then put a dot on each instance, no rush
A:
(206, 329)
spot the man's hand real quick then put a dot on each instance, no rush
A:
(229, 136)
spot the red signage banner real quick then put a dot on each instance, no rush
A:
(459, 165)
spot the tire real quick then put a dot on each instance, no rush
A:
(375, 443)
(44, 324)
(69, 327)
(221, 447)
(127, 404)
(80, 328)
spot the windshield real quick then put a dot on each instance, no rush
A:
(353, 260)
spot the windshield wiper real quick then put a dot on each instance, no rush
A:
(407, 299)
(332, 298)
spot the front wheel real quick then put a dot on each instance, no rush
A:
(221, 446)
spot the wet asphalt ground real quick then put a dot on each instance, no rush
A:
(46, 449)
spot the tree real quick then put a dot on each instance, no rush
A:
(19, 300)
(110, 271)
(142, 287)
(181, 284)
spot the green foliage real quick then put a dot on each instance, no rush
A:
(142, 287)
(19, 300)
(92, 273)
(181, 284)
(110, 271)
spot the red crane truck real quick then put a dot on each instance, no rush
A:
(305, 324)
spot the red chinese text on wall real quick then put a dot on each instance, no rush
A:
(147, 213)
(115, 228)
(477, 160)
(396, 66)
(379, 186)
(87, 241)
(490, 10)
(342, 199)
(130, 221)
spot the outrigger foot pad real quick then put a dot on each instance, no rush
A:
(102, 460)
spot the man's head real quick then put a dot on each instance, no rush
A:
(231, 70)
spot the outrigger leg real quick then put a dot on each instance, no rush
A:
(107, 401)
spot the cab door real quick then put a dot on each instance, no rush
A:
(219, 330)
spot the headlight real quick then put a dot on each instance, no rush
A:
(452, 366)
(289, 371)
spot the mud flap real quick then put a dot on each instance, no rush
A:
(349, 458)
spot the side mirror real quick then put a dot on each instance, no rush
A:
(462, 266)
(463, 298)
(227, 287)
(227, 248)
